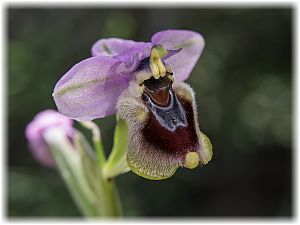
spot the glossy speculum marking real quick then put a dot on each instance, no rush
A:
(158, 90)
(170, 125)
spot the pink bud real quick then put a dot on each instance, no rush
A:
(35, 130)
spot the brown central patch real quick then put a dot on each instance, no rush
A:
(158, 90)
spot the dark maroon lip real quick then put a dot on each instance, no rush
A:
(169, 117)
(171, 128)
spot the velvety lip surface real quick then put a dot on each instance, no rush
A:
(177, 142)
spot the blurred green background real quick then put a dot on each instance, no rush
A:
(243, 84)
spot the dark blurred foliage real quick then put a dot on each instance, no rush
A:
(243, 84)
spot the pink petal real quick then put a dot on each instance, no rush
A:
(192, 45)
(112, 46)
(90, 89)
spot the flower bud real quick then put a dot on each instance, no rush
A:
(35, 130)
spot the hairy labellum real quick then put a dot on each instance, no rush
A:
(163, 127)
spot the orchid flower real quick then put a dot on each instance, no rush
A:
(143, 83)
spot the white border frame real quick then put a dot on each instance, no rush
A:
(153, 4)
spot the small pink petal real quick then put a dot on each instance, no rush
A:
(192, 44)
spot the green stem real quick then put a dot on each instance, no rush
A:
(71, 171)
(106, 196)
(100, 152)
(116, 163)
(111, 201)
(94, 195)
(96, 141)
